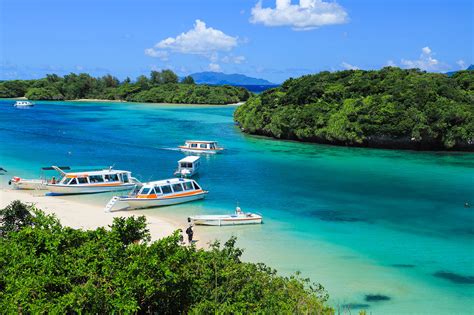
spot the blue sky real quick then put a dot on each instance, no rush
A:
(263, 39)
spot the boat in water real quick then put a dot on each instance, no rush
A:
(35, 183)
(91, 182)
(23, 104)
(188, 166)
(238, 218)
(201, 146)
(161, 193)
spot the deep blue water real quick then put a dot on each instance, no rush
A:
(360, 221)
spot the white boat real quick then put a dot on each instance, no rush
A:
(238, 218)
(91, 182)
(161, 193)
(23, 104)
(28, 184)
(188, 166)
(200, 146)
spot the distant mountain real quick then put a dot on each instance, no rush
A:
(470, 68)
(219, 78)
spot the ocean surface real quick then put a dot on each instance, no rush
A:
(386, 231)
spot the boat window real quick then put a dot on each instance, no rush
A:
(213, 146)
(166, 189)
(82, 180)
(203, 146)
(188, 186)
(111, 178)
(125, 177)
(196, 186)
(66, 180)
(96, 179)
(194, 145)
(157, 190)
(73, 182)
(177, 187)
(145, 191)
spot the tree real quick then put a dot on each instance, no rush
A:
(188, 80)
(169, 77)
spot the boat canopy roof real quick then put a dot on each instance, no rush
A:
(167, 182)
(100, 172)
(189, 159)
(200, 141)
(50, 168)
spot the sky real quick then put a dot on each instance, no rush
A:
(267, 39)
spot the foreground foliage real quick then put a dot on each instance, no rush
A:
(390, 107)
(45, 267)
(160, 87)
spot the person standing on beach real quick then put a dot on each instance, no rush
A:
(190, 233)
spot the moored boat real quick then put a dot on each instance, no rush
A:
(188, 166)
(28, 184)
(238, 218)
(161, 193)
(23, 104)
(200, 146)
(36, 183)
(91, 182)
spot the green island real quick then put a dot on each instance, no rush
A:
(161, 87)
(387, 108)
(47, 266)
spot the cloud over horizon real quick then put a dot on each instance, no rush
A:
(426, 61)
(307, 15)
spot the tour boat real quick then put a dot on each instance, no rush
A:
(200, 146)
(37, 183)
(188, 166)
(161, 193)
(23, 104)
(91, 182)
(238, 218)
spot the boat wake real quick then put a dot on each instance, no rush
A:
(171, 149)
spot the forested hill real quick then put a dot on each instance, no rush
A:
(390, 108)
(159, 87)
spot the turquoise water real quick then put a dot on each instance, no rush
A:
(359, 221)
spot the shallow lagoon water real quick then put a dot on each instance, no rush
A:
(383, 230)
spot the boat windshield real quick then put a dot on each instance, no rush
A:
(188, 186)
(145, 191)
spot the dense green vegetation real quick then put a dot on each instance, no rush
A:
(48, 268)
(391, 108)
(160, 87)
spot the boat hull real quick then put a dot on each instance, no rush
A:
(138, 203)
(85, 189)
(225, 220)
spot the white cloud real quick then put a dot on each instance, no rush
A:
(306, 15)
(200, 40)
(462, 64)
(391, 63)
(214, 67)
(426, 61)
(163, 55)
(233, 59)
(348, 66)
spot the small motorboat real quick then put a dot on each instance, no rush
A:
(23, 104)
(200, 146)
(28, 184)
(238, 218)
(160, 193)
(36, 183)
(188, 166)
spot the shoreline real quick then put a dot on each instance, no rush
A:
(86, 216)
(95, 100)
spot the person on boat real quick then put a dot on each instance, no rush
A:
(190, 233)
(53, 180)
(238, 210)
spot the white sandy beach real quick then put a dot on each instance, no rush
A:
(84, 216)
